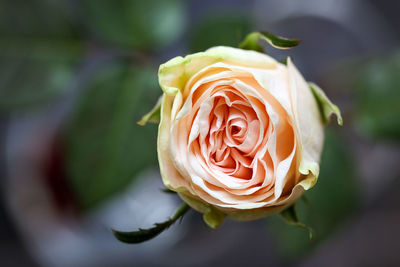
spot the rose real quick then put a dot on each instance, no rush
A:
(240, 134)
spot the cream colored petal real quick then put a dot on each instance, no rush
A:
(257, 213)
(274, 80)
(308, 122)
(278, 206)
(282, 173)
(170, 176)
(174, 74)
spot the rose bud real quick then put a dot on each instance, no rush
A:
(240, 134)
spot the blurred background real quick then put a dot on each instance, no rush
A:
(75, 76)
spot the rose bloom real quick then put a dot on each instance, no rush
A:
(240, 133)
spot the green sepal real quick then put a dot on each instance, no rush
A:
(252, 41)
(167, 191)
(326, 107)
(214, 218)
(154, 115)
(142, 235)
(284, 61)
(290, 216)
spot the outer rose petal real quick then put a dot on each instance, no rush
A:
(171, 177)
(174, 74)
(309, 123)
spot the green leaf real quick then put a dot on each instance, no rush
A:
(143, 25)
(37, 19)
(220, 28)
(326, 107)
(143, 235)
(291, 217)
(102, 140)
(153, 115)
(252, 41)
(26, 83)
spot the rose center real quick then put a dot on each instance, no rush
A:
(235, 130)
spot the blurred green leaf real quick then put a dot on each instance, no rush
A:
(105, 147)
(36, 19)
(38, 52)
(26, 83)
(145, 25)
(331, 201)
(219, 29)
(378, 97)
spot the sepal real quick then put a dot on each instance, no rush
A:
(252, 41)
(290, 216)
(153, 115)
(326, 107)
